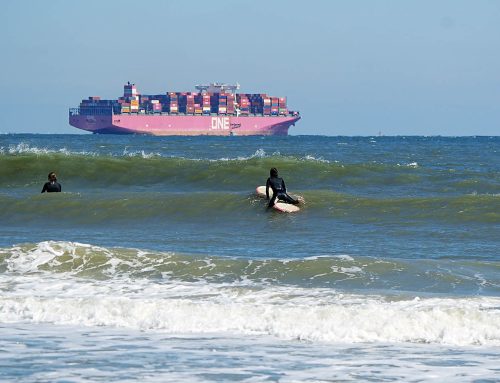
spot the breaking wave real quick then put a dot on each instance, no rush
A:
(340, 271)
(78, 284)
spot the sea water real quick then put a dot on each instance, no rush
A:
(159, 263)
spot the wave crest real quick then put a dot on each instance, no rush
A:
(338, 271)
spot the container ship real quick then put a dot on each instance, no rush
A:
(215, 109)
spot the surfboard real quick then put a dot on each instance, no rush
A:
(261, 191)
(280, 206)
(286, 207)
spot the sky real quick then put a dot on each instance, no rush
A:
(351, 67)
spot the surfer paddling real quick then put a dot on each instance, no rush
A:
(277, 185)
(52, 185)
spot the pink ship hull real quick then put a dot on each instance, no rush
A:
(184, 125)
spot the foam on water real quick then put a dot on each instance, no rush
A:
(37, 352)
(282, 312)
(140, 153)
(339, 271)
(25, 148)
(33, 293)
(410, 165)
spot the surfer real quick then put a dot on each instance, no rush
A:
(279, 189)
(52, 185)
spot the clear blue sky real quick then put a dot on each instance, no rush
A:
(351, 67)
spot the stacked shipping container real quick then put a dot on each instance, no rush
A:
(222, 107)
(266, 106)
(186, 103)
(230, 103)
(244, 105)
(156, 106)
(173, 103)
(206, 103)
(206, 106)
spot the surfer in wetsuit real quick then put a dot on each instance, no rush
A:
(52, 186)
(278, 187)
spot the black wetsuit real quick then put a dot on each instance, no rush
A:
(279, 191)
(51, 187)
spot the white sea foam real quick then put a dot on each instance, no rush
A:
(410, 165)
(344, 257)
(77, 354)
(140, 153)
(261, 153)
(23, 260)
(347, 270)
(24, 148)
(285, 312)
(33, 292)
(312, 158)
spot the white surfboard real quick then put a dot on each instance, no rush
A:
(279, 205)
(286, 207)
(261, 191)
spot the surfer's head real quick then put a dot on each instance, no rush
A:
(52, 176)
(273, 172)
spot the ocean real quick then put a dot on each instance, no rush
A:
(159, 263)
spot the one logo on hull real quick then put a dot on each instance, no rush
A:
(220, 123)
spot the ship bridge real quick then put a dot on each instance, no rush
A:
(217, 87)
